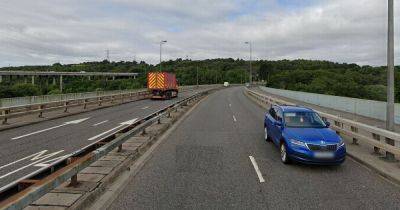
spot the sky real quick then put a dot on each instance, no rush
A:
(71, 31)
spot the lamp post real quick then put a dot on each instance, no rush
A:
(161, 43)
(390, 78)
(251, 71)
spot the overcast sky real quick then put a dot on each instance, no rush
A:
(72, 31)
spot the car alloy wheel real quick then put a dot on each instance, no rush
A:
(284, 157)
(266, 134)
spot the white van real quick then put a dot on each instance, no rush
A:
(226, 84)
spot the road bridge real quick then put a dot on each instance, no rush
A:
(216, 157)
(208, 162)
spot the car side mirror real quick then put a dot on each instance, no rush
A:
(327, 124)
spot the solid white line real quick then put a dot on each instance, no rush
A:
(105, 132)
(100, 123)
(74, 122)
(36, 132)
(146, 107)
(234, 118)
(253, 161)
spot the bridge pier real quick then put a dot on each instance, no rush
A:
(1, 78)
(61, 83)
(33, 80)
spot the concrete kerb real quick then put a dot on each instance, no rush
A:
(106, 200)
(350, 154)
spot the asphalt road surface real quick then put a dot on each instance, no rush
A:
(26, 149)
(206, 164)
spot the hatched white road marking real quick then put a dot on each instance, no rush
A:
(253, 161)
(129, 122)
(102, 122)
(51, 128)
(234, 118)
(37, 158)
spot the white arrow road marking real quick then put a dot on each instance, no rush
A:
(129, 122)
(37, 158)
(253, 161)
(51, 128)
(100, 123)
(234, 118)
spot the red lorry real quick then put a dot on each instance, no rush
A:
(163, 85)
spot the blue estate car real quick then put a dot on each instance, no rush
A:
(303, 136)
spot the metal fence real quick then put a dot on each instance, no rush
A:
(362, 107)
(31, 100)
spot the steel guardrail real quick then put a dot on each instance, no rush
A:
(40, 108)
(31, 187)
(379, 138)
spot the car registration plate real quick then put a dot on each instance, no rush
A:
(325, 155)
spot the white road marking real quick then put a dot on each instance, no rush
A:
(146, 107)
(230, 105)
(51, 128)
(37, 158)
(129, 122)
(234, 118)
(253, 161)
(100, 123)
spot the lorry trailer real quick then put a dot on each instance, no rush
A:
(163, 85)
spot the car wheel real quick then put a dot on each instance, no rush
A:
(284, 156)
(266, 137)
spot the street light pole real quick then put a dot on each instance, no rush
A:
(390, 69)
(161, 43)
(251, 71)
(197, 75)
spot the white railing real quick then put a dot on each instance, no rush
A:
(362, 107)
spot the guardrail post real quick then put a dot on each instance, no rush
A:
(338, 124)
(122, 98)
(354, 130)
(40, 113)
(74, 179)
(99, 100)
(85, 103)
(389, 155)
(378, 138)
(66, 106)
(5, 113)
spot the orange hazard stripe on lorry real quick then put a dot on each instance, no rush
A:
(156, 80)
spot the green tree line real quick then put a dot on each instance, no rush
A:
(324, 77)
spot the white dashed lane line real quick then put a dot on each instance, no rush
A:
(102, 122)
(258, 172)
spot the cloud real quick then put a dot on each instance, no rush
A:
(70, 31)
